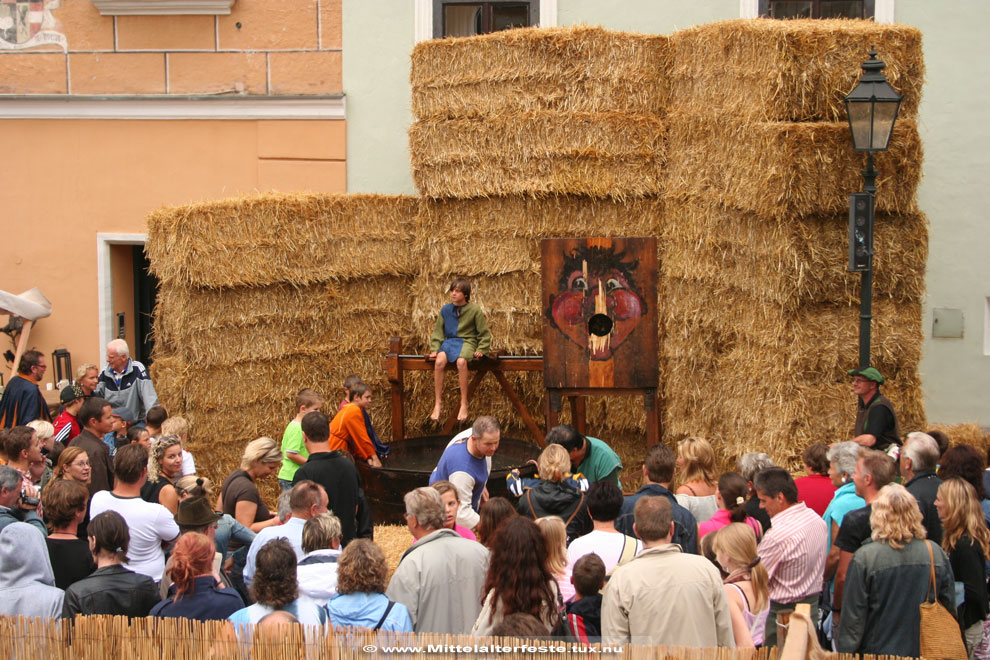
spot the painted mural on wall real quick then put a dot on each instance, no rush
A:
(28, 24)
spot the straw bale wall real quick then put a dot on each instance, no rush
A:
(726, 141)
(759, 316)
(802, 258)
(574, 69)
(600, 154)
(783, 169)
(789, 70)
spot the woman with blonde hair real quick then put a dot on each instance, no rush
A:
(747, 583)
(41, 471)
(889, 579)
(164, 466)
(87, 376)
(239, 496)
(555, 534)
(967, 541)
(361, 599)
(696, 463)
(555, 494)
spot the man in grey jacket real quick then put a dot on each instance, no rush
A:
(125, 382)
(440, 578)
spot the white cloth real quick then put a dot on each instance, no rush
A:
(607, 545)
(291, 531)
(149, 525)
(32, 304)
(188, 464)
(317, 575)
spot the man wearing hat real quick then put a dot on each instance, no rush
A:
(196, 515)
(66, 425)
(876, 423)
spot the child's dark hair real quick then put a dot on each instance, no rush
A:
(156, 415)
(358, 389)
(350, 382)
(110, 533)
(134, 433)
(588, 575)
(734, 490)
(463, 285)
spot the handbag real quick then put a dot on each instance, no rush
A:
(940, 634)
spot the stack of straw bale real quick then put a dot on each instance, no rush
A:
(264, 295)
(524, 135)
(727, 141)
(759, 314)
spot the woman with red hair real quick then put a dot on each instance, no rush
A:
(194, 593)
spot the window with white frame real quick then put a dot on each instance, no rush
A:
(817, 8)
(452, 18)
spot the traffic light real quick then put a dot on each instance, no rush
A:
(860, 231)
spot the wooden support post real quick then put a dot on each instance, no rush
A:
(520, 408)
(554, 405)
(394, 374)
(22, 343)
(652, 417)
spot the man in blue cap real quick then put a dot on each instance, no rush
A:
(876, 423)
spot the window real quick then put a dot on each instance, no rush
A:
(465, 19)
(817, 8)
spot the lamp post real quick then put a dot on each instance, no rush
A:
(872, 107)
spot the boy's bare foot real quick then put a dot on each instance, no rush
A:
(462, 414)
(435, 416)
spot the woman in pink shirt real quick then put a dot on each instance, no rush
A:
(731, 498)
(451, 502)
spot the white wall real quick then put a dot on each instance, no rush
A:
(956, 137)
(378, 42)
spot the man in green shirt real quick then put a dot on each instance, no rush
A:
(590, 456)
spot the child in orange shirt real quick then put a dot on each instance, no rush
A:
(350, 429)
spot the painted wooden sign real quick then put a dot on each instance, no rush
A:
(600, 317)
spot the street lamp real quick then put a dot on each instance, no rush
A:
(872, 107)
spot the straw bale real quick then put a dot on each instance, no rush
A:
(253, 382)
(291, 238)
(770, 410)
(785, 169)
(212, 327)
(600, 154)
(966, 433)
(563, 69)
(814, 339)
(796, 70)
(793, 260)
(169, 373)
(551, 216)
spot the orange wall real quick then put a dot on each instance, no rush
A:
(262, 48)
(66, 180)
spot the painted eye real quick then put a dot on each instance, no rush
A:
(613, 284)
(579, 284)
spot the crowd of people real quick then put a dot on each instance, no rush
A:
(102, 512)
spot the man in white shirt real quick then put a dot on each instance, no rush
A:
(150, 524)
(614, 547)
(306, 499)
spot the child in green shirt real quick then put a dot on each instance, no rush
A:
(294, 451)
